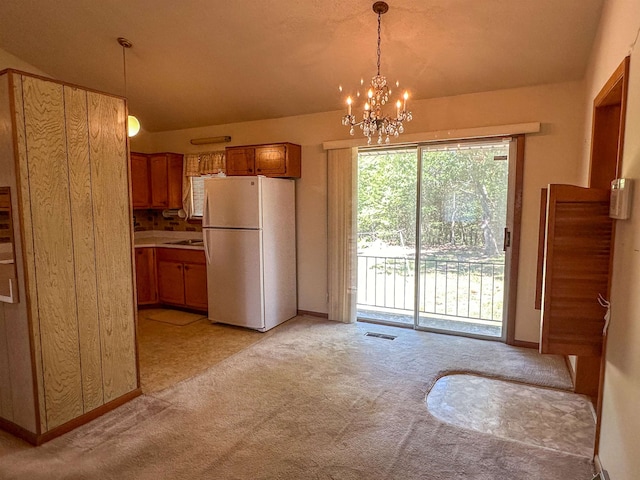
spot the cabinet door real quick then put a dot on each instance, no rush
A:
(577, 258)
(240, 161)
(195, 286)
(140, 182)
(174, 180)
(159, 181)
(171, 282)
(270, 160)
(146, 276)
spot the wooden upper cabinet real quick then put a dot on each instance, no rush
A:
(272, 160)
(240, 161)
(159, 181)
(577, 259)
(140, 182)
(162, 175)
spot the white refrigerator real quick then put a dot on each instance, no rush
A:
(249, 237)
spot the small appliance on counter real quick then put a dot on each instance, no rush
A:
(249, 237)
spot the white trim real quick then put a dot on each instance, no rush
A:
(456, 134)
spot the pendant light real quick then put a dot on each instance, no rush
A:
(372, 120)
(133, 124)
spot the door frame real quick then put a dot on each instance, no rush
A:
(607, 148)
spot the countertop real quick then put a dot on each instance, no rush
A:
(164, 239)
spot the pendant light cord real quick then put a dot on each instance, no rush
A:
(124, 69)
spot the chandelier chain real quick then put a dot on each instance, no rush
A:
(379, 42)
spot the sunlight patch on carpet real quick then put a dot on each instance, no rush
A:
(538, 416)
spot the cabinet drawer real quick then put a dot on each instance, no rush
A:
(181, 255)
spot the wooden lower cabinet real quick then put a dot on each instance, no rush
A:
(171, 282)
(195, 286)
(182, 278)
(146, 284)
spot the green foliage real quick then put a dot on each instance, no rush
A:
(463, 197)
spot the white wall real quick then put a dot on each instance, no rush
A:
(551, 156)
(620, 435)
(8, 60)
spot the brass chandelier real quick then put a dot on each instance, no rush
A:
(373, 121)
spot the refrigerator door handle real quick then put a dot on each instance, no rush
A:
(206, 247)
(205, 213)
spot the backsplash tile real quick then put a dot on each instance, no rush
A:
(146, 220)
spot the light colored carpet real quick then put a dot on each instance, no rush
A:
(173, 317)
(315, 400)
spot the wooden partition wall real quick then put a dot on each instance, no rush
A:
(75, 324)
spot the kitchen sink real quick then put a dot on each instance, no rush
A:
(192, 241)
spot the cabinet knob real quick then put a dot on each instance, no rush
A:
(186, 267)
(259, 170)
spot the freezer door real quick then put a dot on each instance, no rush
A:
(232, 202)
(234, 277)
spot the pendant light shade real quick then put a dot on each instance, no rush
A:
(133, 124)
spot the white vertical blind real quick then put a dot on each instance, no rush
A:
(341, 189)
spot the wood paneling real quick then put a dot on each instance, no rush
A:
(65, 157)
(53, 239)
(6, 400)
(28, 313)
(83, 246)
(576, 270)
(113, 243)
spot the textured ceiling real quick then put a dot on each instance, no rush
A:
(206, 62)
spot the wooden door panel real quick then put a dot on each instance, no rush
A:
(240, 161)
(577, 259)
(271, 160)
(146, 276)
(171, 282)
(140, 186)
(174, 180)
(159, 181)
(195, 286)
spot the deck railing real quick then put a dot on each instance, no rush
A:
(464, 289)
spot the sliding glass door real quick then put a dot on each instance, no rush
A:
(431, 232)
